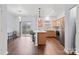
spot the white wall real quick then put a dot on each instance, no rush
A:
(61, 15)
(70, 29)
(11, 23)
(77, 31)
(3, 30)
(32, 19)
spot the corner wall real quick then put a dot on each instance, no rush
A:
(3, 30)
(70, 29)
(77, 31)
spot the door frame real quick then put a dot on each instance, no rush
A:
(20, 26)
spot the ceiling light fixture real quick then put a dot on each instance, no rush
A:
(39, 14)
(20, 19)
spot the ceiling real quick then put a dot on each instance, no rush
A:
(32, 9)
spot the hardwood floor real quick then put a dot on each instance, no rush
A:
(53, 47)
(25, 46)
(21, 46)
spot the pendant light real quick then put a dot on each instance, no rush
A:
(39, 14)
(20, 19)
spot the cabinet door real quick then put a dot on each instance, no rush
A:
(51, 34)
(42, 38)
(40, 23)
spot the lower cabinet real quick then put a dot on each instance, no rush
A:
(41, 38)
(51, 34)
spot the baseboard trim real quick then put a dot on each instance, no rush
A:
(36, 44)
(68, 51)
(3, 53)
(76, 52)
(6, 53)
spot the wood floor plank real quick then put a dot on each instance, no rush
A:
(25, 46)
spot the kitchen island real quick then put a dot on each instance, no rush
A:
(40, 37)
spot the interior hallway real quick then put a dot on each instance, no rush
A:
(25, 46)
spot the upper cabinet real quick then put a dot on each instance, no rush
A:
(40, 23)
(58, 22)
(62, 21)
(54, 23)
(48, 25)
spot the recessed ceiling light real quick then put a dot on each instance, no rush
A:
(19, 18)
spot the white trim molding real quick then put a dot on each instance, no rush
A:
(76, 52)
(6, 53)
(68, 51)
(3, 53)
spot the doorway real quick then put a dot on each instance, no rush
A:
(26, 28)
